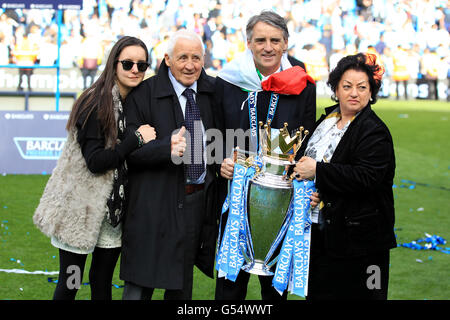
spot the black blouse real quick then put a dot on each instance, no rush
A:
(98, 158)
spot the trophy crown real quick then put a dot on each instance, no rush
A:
(282, 145)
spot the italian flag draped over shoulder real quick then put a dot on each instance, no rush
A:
(242, 73)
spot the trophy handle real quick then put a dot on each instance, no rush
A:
(273, 262)
(244, 253)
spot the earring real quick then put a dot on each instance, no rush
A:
(334, 98)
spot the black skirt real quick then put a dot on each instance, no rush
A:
(333, 277)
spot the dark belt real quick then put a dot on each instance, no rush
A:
(191, 188)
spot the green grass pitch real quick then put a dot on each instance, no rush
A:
(420, 129)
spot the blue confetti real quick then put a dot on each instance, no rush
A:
(55, 280)
(409, 184)
(430, 242)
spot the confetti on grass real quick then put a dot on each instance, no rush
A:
(429, 242)
(54, 280)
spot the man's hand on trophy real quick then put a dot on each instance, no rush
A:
(227, 168)
(315, 199)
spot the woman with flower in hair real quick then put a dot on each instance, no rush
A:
(350, 156)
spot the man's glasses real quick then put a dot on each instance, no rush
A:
(127, 65)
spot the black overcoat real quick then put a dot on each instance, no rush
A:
(154, 226)
(356, 188)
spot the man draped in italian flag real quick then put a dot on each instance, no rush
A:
(288, 79)
(244, 90)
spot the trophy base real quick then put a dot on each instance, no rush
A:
(258, 267)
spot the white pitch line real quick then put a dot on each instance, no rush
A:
(21, 271)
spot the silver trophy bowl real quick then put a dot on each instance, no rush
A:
(270, 194)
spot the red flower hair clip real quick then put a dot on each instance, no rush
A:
(371, 59)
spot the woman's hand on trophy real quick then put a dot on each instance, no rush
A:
(315, 199)
(305, 168)
(227, 168)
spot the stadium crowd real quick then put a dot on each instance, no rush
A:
(410, 36)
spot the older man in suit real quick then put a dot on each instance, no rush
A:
(171, 224)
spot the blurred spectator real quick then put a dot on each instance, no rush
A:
(4, 50)
(24, 54)
(315, 62)
(48, 51)
(7, 26)
(430, 66)
(220, 46)
(388, 62)
(414, 63)
(159, 50)
(236, 45)
(337, 24)
(400, 72)
(90, 58)
(326, 41)
(68, 54)
(380, 45)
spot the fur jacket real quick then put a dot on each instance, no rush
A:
(73, 205)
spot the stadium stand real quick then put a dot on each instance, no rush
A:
(320, 33)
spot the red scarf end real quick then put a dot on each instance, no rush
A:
(291, 81)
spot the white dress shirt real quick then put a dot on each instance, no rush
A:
(179, 89)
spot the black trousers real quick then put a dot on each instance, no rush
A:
(28, 73)
(334, 277)
(194, 213)
(405, 85)
(88, 73)
(71, 269)
(229, 290)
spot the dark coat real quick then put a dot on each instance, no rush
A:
(296, 110)
(356, 188)
(154, 227)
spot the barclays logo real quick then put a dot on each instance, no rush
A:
(32, 148)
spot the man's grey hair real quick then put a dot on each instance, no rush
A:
(269, 17)
(183, 34)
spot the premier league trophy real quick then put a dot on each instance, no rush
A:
(268, 214)
(269, 195)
